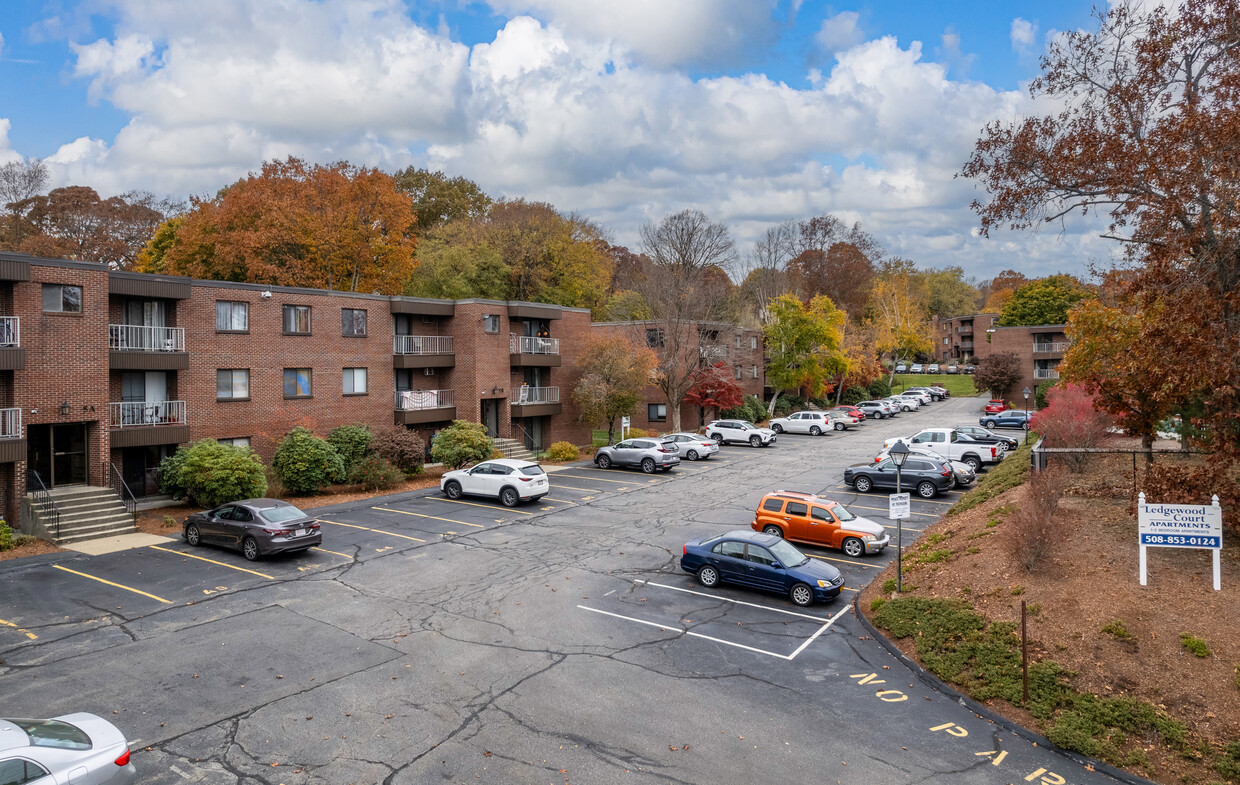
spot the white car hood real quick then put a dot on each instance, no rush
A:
(864, 525)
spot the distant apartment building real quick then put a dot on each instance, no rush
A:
(968, 339)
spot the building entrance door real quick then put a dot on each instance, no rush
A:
(490, 416)
(58, 453)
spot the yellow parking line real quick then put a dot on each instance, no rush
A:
(600, 479)
(213, 561)
(561, 501)
(110, 583)
(843, 561)
(333, 553)
(484, 506)
(577, 488)
(368, 529)
(435, 517)
(28, 633)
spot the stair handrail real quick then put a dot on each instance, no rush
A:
(49, 511)
(122, 490)
(520, 438)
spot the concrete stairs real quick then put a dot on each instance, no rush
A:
(511, 448)
(86, 513)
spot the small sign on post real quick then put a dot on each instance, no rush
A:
(1180, 526)
(624, 427)
(898, 506)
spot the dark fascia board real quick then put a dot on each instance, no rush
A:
(170, 287)
(419, 306)
(43, 261)
(258, 287)
(509, 303)
(13, 270)
(532, 311)
(1048, 328)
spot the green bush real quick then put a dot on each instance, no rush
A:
(562, 451)
(208, 473)
(1116, 629)
(1194, 645)
(461, 443)
(305, 462)
(170, 521)
(352, 442)
(784, 407)
(879, 388)
(751, 409)
(376, 474)
(400, 447)
(7, 542)
(1039, 394)
(854, 395)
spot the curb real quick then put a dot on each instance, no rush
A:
(934, 683)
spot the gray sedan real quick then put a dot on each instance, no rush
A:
(256, 527)
(692, 446)
(650, 454)
(77, 748)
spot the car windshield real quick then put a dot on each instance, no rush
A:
(787, 554)
(53, 733)
(281, 514)
(842, 513)
(532, 471)
(746, 424)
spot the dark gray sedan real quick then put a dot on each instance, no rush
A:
(256, 527)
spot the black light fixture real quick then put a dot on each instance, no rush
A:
(899, 453)
(64, 408)
(1025, 392)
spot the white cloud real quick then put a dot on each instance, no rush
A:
(840, 32)
(1024, 35)
(7, 153)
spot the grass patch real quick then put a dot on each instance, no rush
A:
(1194, 645)
(959, 646)
(934, 538)
(973, 550)
(958, 384)
(1117, 630)
(978, 535)
(1013, 471)
(931, 557)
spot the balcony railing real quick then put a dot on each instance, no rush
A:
(139, 338)
(146, 414)
(713, 353)
(537, 395)
(965, 330)
(10, 332)
(415, 400)
(422, 344)
(1049, 346)
(10, 423)
(1045, 373)
(528, 344)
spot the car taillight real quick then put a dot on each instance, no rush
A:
(946, 472)
(708, 444)
(686, 551)
(123, 760)
(993, 452)
(525, 479)
(279, 532)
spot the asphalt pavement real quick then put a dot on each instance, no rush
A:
(431, 640)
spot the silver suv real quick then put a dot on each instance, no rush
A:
(650, 454)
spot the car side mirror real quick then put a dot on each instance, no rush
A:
(777, 566)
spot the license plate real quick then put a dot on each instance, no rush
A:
(299, 533)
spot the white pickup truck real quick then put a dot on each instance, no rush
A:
(954, 445)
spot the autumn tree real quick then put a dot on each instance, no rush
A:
(860, 357)
(997, 300)
(614, 371)
(439, 199)
(803, 345)
(1072, 418)
(1044, 301)
(1007, 280)
(328, 227)
(898, 314)
(997, 373)
(948, 293)
(714, 388)
(763, 269)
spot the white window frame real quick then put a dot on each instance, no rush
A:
(233, 396)
(233, 306)
(349, 378)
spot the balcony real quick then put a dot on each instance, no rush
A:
(713, 354)
(12, 355)
(12, 445)
(423, 351)
(1050, 347)
(966, 346)
(536, 401)
(415, 407)
(1045, 373)
(528, 350)
(136, 347)
(146, 423)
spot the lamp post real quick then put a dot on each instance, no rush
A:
(899, 454)
(1025, 392)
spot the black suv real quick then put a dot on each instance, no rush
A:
(926, 477)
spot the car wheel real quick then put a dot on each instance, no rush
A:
(926, 489)
(773, 530)
(839, 426)
(1026, 425)
(777, 428)
(853, 547)
(863, 484)
(801, 595)
(192, 535)
(648, 465)
(692, 455)
(603, 462)
(906, 408)
(452, 489)
(755, 441)
(814, 430)
(708, 576)
(509, 497)
(974, 463)
(953, 482)
(718, 439)
(882, 415)
(249, 549)
(990, 423)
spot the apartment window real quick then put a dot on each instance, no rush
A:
(62, 299)
(296, 320)
(755, 371)
(738, 341)
(232, 316)
(297, 383)
(490, 323)
(656, 412)
(353, 322)
(753, 342)
(654, 338)
(232, 384)
(239, 441)
(354, 381)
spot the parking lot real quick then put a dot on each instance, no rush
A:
(432, 639)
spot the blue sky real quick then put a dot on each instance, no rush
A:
(752, 111)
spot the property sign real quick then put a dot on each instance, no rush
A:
(898, 506)
(624, 426)
(1180, 526)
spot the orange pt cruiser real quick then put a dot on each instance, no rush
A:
(804, 517)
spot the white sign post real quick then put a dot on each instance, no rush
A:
(1180, 526)
(624, 427)
(898, 506)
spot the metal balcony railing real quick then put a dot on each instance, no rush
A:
(10, 423)
(713, 353)
(422, 344)
(414, 400)
(146, 414)
(529, 394)
(10, 332)
(1051, 346)
(139, 338)
(528, 344)
(1045, 373)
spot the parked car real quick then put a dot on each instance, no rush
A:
(739, 431)
(842, 420)
(953, 445)
(917, 368)
(1012, 418)
(923, 475)
(78, 747)
(901, 368)
(850, 410)
(511, 481)
(876, 410)
(761, 561)
(932, 368)
(934, 394)
(970, 368)
(996, 405)
(923, 397)
(256, 527)
(905, 404)
(692, 446)
(650, 454)
(805, 517)
(813, 423)
(963, 474)
(978, 433)
(943, 391)
(953, 369)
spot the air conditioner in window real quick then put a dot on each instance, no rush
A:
(428, 371)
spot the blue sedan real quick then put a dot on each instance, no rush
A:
(1012, 418)
(761, 561)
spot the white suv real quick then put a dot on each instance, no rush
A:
(813, 423)
(723, 431)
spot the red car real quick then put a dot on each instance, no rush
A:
(994, 406)
(851, 411)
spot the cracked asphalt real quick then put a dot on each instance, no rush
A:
(431, 641)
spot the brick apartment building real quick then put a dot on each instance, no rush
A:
(740, 348)
(103, 373)
(964, 339)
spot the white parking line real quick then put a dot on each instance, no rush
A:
(729, 599)
(683, 631)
